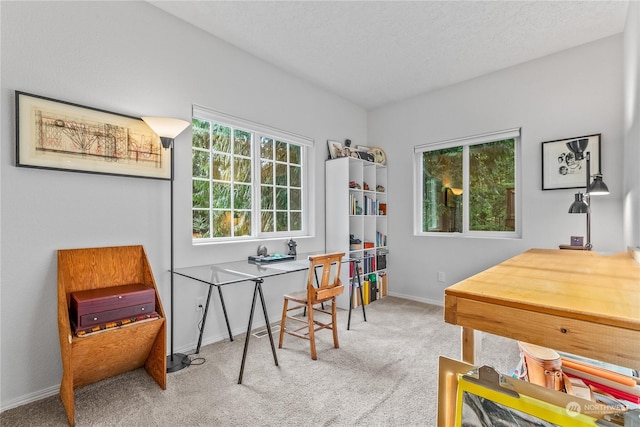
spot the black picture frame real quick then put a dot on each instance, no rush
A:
(60, 135)
(561, 171)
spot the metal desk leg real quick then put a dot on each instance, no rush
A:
(256, 290)
(266, 319)
(224, 310)
(357, 273)
(204, 317)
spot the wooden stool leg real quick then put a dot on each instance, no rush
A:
(283, 321)
(312, 329)
(334, 325)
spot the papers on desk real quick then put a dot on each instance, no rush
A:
(288, 266)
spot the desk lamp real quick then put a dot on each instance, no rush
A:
(168, 129)
(597, 187)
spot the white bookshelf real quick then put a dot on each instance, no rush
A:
(366, 224)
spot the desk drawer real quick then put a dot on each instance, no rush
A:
(611, 344)
(117, 314)
(97, 306)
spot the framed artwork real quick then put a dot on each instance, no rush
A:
(52, 134)
(468, 398)
(335, 149)
(561, 170)
(479, 405)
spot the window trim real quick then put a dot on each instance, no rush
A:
(259, 130)
(466, 142)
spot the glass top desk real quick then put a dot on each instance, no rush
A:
(236, 272)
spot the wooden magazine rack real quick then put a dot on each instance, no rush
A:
(107, 353)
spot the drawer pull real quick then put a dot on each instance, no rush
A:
(563, 330)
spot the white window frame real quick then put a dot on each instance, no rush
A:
(466, 142)
(257, 131)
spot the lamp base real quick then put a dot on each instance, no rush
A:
(177, 361)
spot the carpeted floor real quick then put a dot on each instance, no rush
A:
(384, 374)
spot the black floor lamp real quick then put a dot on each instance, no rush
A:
(582, 202)
(168, 129)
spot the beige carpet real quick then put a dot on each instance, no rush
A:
(383, 374)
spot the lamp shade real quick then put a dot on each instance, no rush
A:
(577, 146)
(166, 127)
(598, 186)
(579, 205)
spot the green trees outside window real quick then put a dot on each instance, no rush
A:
(489, 182)
(237, 180)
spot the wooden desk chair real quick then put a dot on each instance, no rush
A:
(327, 290)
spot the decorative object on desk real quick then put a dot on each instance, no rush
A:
(562, 167)
(291, 244)
(582, 201)
(52, 134)
(577, 241)
(262, 250)
(335, 149)
(168, 129)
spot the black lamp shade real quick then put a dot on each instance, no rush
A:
(579, 205)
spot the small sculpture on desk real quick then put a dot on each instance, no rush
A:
(292, 247)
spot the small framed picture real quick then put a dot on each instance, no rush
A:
(335, 149)
(561, 170)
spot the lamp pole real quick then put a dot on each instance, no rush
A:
(168, 129)
(587, 196)
(175, 361)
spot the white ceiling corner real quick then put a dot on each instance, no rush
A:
(377, 52)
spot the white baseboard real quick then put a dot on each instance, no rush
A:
(32, 397)
(413, 298)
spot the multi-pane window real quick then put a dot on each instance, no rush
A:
(247, 182)
(280, 186)
(468, 185)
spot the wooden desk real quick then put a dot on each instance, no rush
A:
(574, 301)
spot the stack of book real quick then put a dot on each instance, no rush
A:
(600, 381)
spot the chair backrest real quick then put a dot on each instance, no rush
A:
(329, 282)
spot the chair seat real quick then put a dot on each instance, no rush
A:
(300, 296)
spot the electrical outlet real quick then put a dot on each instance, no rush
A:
(199, 303)
(440, 276)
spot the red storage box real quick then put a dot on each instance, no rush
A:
(97, 306)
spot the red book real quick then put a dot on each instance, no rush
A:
(618, 394)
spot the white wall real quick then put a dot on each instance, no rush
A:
(130, 58)
(114, 56)
(631, 192)
(576, 92)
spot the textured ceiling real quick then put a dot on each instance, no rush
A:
(376, 52)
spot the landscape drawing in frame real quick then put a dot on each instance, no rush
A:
(478, 406)
(560, 169)
(52, 134)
